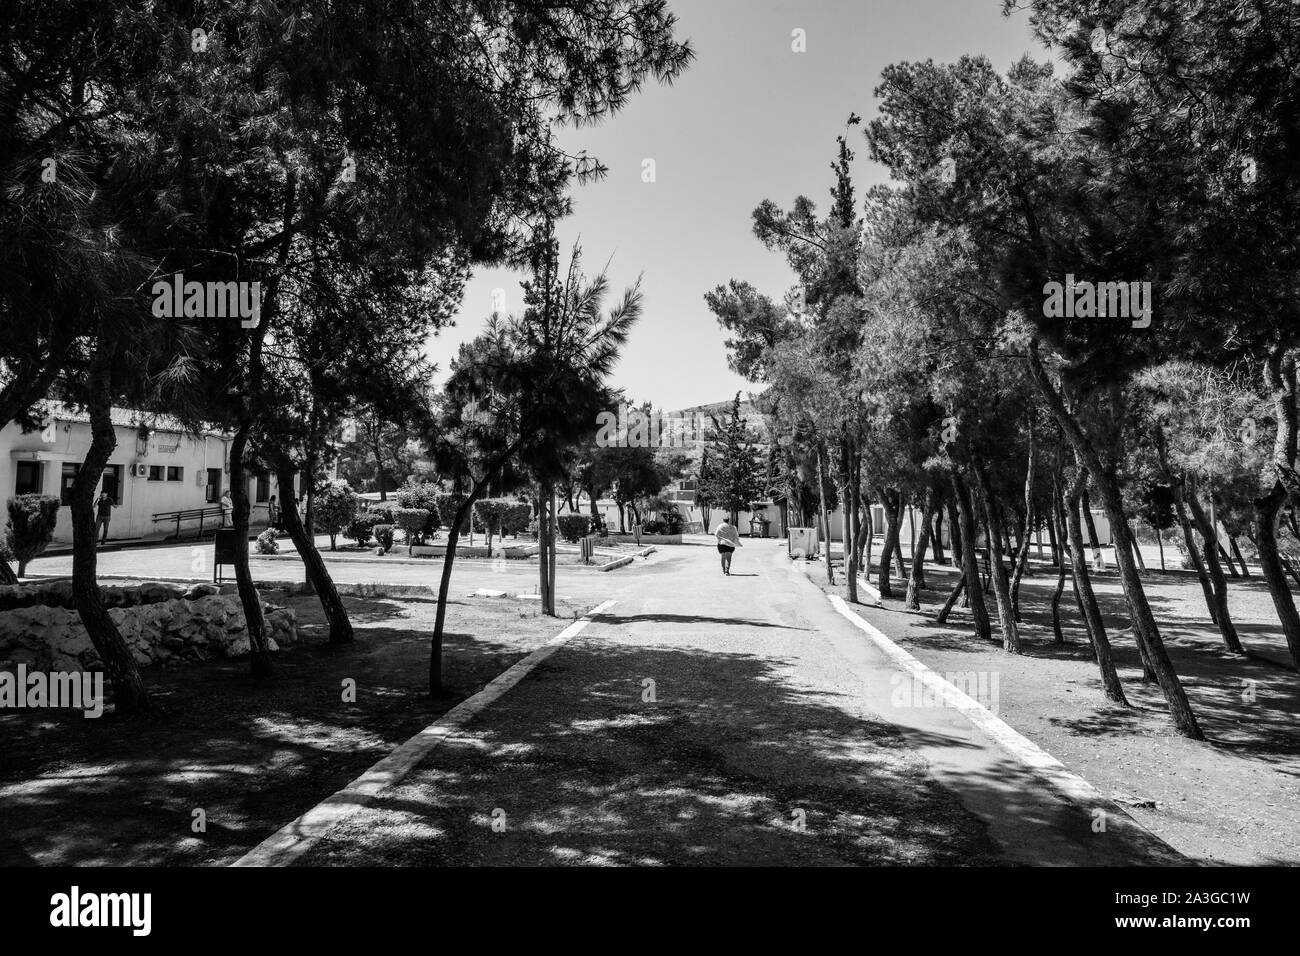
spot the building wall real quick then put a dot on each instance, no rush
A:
(140, 498)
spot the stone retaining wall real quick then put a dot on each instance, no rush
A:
(161, 623)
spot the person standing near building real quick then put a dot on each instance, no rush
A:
(227, 508)
(728, 542)
(104, 506)
(273, 514)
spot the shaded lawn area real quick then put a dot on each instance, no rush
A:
(738, 766)
(1233, 799)
(251, 755)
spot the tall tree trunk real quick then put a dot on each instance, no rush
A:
(1022, 559)
(1193, 552)
(1093, 541)
(1087, 599)
(1236, 553)
(850, 560)
(129, 694)
(1053, 520)
(893, 505)
(543, 545)
(1280, 378)
(936, 539)
(898, 538)
(335, 613)
(970, 560)
(826, 520)
(1222, 615)
(944, 611)
(917, 579)
(868, 544)
(1001, 584)
(551, 526)
(249, 597)
(1137, 555)
(453, 536)
(1144, 624)
(1054, 544)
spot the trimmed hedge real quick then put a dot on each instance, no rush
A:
(572, 527)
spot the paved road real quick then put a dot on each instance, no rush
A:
(716, 720)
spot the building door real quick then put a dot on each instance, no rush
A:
(214, 485)
(113, 483)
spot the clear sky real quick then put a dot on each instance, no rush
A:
(751, 119)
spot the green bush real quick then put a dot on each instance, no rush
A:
(572, 527)
(362, 527)
(418, 496)
(384, 535)
(383, 513)
(515, 517)
(415, 522)
(266, 543)
(448, 504)
(334, 509)
(31, 526)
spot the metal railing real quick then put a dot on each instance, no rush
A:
(189, 514)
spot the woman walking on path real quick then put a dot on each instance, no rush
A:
(728, 541)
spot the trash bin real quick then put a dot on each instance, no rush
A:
(758, 527)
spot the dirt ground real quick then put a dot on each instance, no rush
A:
(250, 756)
(1234, 799)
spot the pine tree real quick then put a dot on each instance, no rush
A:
(735, 475)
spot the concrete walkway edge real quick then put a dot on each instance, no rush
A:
(295, 838)
(1037, 759)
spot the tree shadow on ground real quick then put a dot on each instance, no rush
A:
(1242, 704)
(251, 754)
(720, 769)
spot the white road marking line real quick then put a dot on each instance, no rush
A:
(998, 730)
(293, 839)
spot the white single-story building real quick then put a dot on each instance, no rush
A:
(158, 473)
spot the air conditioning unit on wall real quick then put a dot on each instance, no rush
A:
(139, 470)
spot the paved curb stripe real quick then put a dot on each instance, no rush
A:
(292, 840)
(998, 730)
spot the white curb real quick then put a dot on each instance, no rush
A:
(996, 729)
(292, 840)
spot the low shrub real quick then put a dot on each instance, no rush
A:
(415, 522)
(335, 509)
(448, 504)
(383, 513)
(572, 527)
(384, 535)
(515, 516)
(31, 526)
(362, 528)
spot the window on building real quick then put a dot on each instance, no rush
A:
(66, 479)
(263, 488)
(175, 473)
(27, 478)
(155, 472)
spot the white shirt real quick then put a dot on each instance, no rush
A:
(726, 534)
